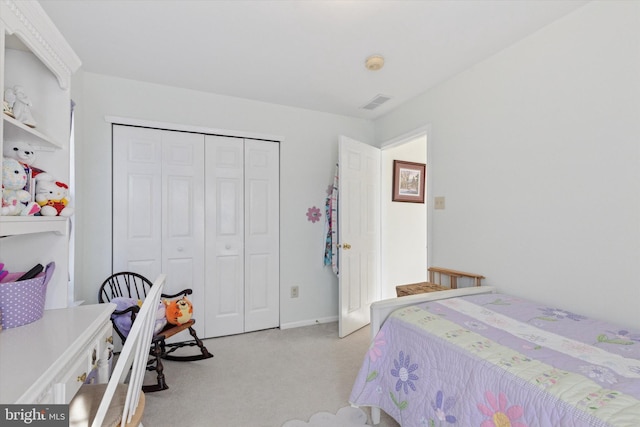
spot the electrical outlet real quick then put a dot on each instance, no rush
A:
(294, 291)
(438, 202)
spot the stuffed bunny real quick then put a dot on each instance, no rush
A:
(15, 200)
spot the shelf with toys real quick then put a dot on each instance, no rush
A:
(17, 134)
(35, 79)
(32, 199)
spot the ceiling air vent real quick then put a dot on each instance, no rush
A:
(377, 101)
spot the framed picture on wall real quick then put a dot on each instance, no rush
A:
(408, 182)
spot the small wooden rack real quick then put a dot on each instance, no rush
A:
(438, 272)
(418, 288)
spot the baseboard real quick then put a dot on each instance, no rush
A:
(308, 322)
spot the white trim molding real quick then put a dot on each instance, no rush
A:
(29, 22)
(309, 322)
(189, 128)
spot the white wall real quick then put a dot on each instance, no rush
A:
(308, 155)
(404, 230)
(537, 152)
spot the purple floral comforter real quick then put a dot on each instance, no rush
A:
(493, 360)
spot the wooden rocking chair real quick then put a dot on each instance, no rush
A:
(136, 286)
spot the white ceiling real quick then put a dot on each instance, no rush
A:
(307, 54)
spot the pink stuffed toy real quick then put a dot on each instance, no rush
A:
(15, 200)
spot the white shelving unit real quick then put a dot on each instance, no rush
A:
(14, 129)
(36, 56)
(15, 225)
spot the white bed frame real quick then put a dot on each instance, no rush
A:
(380, 310)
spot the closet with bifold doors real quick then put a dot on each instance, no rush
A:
(204, 209)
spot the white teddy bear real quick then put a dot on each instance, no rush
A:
(19, 150)
(52, 196)
(22, 152)
(15, 200)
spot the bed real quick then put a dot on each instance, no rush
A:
(476, 357)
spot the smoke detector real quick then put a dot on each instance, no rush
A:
(374, 62)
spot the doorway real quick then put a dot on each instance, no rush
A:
(405, 226)
(396, 232)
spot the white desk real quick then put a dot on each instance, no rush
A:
(46, 361)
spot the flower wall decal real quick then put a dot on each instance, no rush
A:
(313, 214)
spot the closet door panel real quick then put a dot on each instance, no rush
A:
(183, 218)
(137, 238)
(158, 223)
(228, 209)
(258, 284)
(262, 274)
(226, 300)
(224, 235)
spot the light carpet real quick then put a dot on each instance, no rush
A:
(262, 379)
(345, 417)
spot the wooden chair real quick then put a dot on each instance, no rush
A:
(134, 285)
(117, 403)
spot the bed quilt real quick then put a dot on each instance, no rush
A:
(493, 360)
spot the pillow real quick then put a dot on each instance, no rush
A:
(123, 321)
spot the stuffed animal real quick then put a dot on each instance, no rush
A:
(22, 152)
(9, 100)
(19, 150)
(15, 200)
(22, 107)
(52, 196)
(178, 311)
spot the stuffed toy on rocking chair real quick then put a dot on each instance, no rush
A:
(174, 315)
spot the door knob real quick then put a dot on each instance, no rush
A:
(227, 246)
(345, 246)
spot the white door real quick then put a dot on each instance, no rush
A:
(137, 202)
(242, 235)
(262, 217)
(183, 219)
(225, 235)
(358, 233)
(158, 209)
